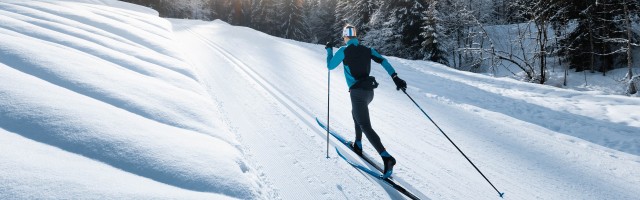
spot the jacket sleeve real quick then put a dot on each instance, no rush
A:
(375, 56)
(334, 60)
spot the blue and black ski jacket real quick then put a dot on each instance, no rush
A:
(356, 60)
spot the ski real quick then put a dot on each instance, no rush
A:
(389, 181)
(347, 143)
(378, 175)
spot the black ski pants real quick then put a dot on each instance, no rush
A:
(360, 99)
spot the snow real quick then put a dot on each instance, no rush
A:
(123, 7)
(33, 170)
(101, 99)
(142, 115)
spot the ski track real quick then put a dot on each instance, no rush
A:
(295, 121)
(300, 112)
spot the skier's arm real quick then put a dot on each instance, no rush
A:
(375, 56)
(400, 84)
(334, 60)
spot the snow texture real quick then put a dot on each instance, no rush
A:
(102, 88)
(101, 99)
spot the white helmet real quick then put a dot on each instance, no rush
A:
(349, 31)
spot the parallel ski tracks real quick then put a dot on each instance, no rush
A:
(303, 114)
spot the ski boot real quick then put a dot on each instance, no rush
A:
(389, 162)
(357, 148)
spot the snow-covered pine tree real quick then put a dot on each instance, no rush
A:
(609, 31)
(405, 25)
(618, 35)
(600, 40)
(291, 20)
(310, 10)
(379, 32)
(264, 16)
(322, 21)
(432, 46)
(630, 10)
(357, 13)
(578, 46)
(341, 10)
(458, 21)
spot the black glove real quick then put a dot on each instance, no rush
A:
(400, 84)
(329, 45)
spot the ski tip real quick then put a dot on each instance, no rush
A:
(320, 123)
(501, 194)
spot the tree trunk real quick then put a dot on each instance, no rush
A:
(459, 47)
(542, 40)
(566, 71)
(593, 52)
(629, 40)
(632, 86)
(530, 65)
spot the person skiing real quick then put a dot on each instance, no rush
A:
(356, 59)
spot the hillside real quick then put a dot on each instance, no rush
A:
(106, 100)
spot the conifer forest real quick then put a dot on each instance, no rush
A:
(472, 35)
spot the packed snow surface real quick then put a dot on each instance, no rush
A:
(96, 99)
(104, 100)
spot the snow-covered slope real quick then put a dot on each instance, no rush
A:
(532, 141)
(104, 100)
(95, 99)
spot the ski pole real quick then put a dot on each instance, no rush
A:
(454, 144)
(328, 103)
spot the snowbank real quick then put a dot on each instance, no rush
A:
(99, 94)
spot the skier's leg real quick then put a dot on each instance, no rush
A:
(360, 100)
(357, 126)
(360, 110)
(357, 144)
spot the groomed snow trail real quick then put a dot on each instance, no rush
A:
(269, 89)
(279, 136)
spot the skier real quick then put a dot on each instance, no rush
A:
(356, 59)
